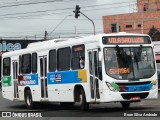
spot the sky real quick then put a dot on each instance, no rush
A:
(31, 18)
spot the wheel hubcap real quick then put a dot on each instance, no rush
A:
(28, 101)
(80, 98)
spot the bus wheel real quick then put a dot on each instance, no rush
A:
(82, 99)
(28, 99)
(125, 105)
(67, 103)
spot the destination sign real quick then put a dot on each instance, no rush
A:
(126, 40)
(77, 49)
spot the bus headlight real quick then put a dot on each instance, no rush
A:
(110, 87)
(154, 84)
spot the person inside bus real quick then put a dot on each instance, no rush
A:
(81, 62)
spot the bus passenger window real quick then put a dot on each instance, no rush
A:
(26, 64)
(78, 57)
(90, 62)
(20, 64)
(99, 66)
(52, 60)
(6, 66)
(34, 63)
(63, 59)
(96, 63)
(100, 70)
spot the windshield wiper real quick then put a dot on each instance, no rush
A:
(118, 51)
(141, 49)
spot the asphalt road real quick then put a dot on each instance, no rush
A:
(96, 110)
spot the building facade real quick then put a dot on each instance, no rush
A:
(146, 20)
(7, 45)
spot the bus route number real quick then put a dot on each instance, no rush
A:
(114, 71)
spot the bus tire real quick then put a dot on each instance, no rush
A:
(29, 100)
(67, 103)
(125, 105)
(82, 99)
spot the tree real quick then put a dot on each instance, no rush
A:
(154, 34)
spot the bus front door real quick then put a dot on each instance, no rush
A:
(43, 77)
(15, 79)
(93, 72)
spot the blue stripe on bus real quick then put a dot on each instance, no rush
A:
(28, 79)
(134, 88)
(63, 77)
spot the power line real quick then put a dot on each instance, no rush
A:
(24, 3)
(36, 12)
(8, 3)
(62, 9)
(92, 9)
(66, 33)
(56, 10)
(60, 23)
(31, 3)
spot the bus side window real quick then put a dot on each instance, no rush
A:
(98, 65)
(100, 69)
(6, 66)
(90, 62)
(34, 62)
(63, 59)
(52, 60)
(26, 64)
(78, 57)
(20, 64)
(0, 67)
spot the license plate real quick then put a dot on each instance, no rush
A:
(135, 98)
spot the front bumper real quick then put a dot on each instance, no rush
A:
(110, 96)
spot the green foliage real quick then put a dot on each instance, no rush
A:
(154, 34)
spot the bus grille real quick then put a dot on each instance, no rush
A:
(134, 86)
(130, 95)
(134, 83)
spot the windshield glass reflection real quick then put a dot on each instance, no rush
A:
(129, 63)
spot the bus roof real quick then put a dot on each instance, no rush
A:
(65, 42)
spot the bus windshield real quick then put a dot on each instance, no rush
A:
(129, 63)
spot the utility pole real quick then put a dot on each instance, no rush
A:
(45, 35)
(75, 29)
(35, 36)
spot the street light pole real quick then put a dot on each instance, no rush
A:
(59, 23)
(91, 21)
(77, 14)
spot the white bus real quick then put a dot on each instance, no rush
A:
(101, 68)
